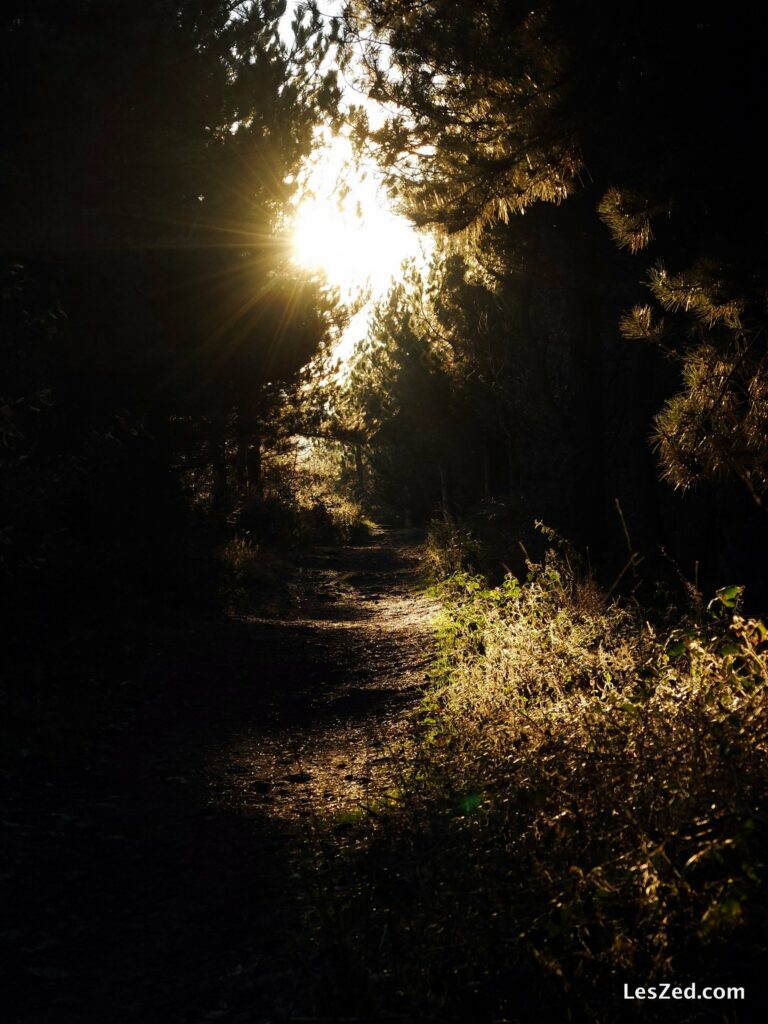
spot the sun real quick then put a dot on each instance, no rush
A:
(344, 227)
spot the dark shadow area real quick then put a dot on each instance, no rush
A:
(154, 874)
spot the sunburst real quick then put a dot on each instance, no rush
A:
(344, 226)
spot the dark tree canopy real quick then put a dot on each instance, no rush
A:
(149, 301)
(585, 120)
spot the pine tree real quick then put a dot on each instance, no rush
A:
(494, 110)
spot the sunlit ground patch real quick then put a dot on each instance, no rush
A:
(341, 749)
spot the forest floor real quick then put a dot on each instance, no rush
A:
(157, 872)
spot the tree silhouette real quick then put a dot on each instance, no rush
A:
(149, 155)
(646, 123)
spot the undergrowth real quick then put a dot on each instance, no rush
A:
(583, 807)
(252, 577)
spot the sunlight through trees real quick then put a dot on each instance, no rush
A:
(315, 315)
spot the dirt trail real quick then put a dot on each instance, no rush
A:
(330, 745)
(156, 881)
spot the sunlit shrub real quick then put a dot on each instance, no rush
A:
(581, 806)
(451, 548)
(251, 577)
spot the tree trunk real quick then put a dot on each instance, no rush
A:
(359, 471)
(445, 494)
(513, 477)
(241, 464)
(407, 513)
(218, 459)
(588, 433)
(254, 482)
(486, 466)
(248, 458)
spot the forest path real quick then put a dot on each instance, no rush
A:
(157, 877)
(328, 745)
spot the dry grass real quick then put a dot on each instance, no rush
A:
(584, 807)
(251, 577)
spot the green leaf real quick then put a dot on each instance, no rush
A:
(674, 650)
(728, 596)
